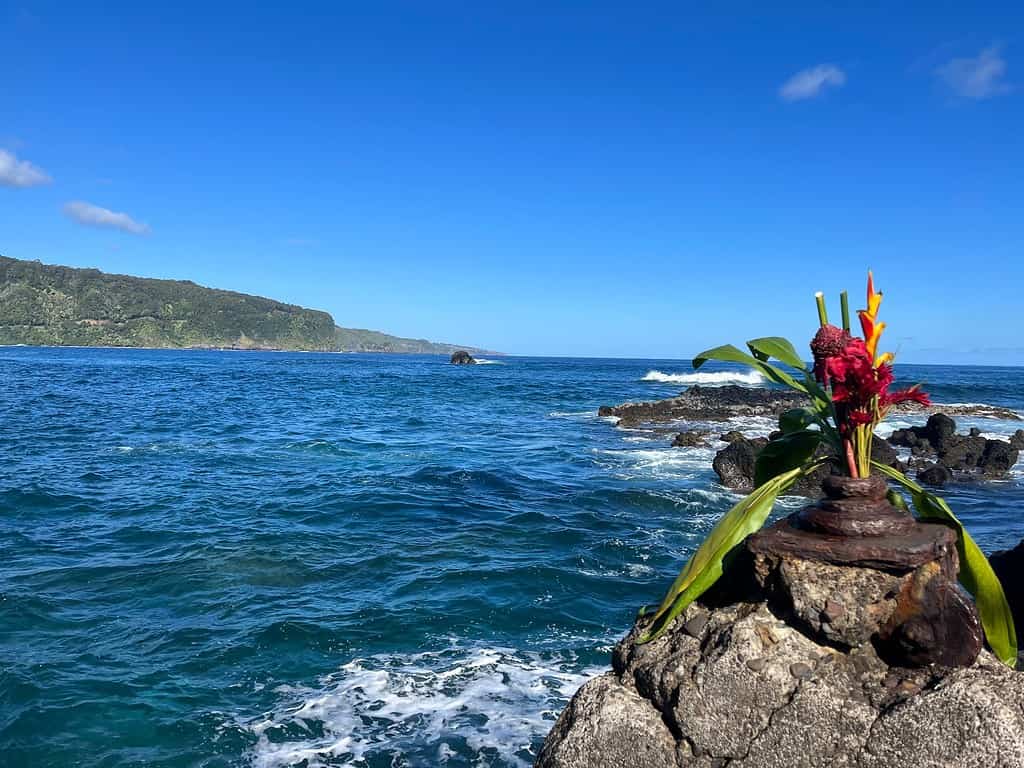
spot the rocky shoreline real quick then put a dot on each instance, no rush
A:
(704, 403)
(938, 454)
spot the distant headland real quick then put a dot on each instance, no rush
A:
(50, 305)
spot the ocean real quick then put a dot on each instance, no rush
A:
(274, 559)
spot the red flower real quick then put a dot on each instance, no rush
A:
(913, 394)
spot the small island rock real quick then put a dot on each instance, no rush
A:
(462, 357)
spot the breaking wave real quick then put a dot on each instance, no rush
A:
(751, 378)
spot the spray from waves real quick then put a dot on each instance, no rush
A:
(484, 706)
(751, 378)
(485, 361)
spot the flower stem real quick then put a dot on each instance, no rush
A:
(845, 302)
(822, 313)
(851, 462)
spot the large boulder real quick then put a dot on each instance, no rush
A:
(734, 683)
(734, 464)
(462, 357)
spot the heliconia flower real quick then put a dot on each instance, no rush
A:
(874, 299)
(868, 320)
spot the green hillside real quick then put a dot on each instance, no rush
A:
(41, 304)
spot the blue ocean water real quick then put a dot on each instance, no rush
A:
(259, 559)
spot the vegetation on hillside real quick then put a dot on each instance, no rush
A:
(42, 304)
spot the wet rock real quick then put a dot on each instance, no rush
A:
(733, 435)
(934, 474)
(961, 453)
(998, 458)
(734, 464)
(462, 357)
(710, 404)
(689, 440)
(884, 453)
(965, 456)
(605, 410)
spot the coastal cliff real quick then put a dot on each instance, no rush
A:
(49, 305)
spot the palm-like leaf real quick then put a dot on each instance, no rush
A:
(707, 563)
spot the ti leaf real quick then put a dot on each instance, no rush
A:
(784, 454)
(707, 563)
(797, 419)
(976, 574)
(779, 348)
(730, 354)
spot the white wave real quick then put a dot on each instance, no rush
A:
(485, 361)
(490, 702)
(751, 378)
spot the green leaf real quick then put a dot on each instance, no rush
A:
(797, 419)
(784, 454)
(976, 573)
(779, 348)
(706, 566)
(730, 354)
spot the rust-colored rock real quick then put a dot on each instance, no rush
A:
(935, 622)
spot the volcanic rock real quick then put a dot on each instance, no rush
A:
(689, 440)
(966, 456)
(934, 474)
(462, 357)
(734, 464)
(710, 404)
(790, 676)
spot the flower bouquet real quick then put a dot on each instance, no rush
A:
(849, 392)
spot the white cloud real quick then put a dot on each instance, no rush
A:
(809, 83)
(20, 173)
(93, 215)
(977, 78)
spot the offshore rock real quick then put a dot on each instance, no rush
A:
(705, 403)
(966, 456)
(689, 440)
(708, 404)
(462, 357)
(751, 690)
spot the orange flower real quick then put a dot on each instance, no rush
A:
(869, 325)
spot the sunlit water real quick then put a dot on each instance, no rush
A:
(249, 559)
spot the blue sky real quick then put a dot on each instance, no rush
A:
(637, 180)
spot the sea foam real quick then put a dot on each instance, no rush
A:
(751, 378)
(488, 706)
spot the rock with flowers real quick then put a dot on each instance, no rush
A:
(842, 635)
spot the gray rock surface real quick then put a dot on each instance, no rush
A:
(749, 690)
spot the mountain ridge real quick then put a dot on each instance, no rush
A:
(53, 305)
